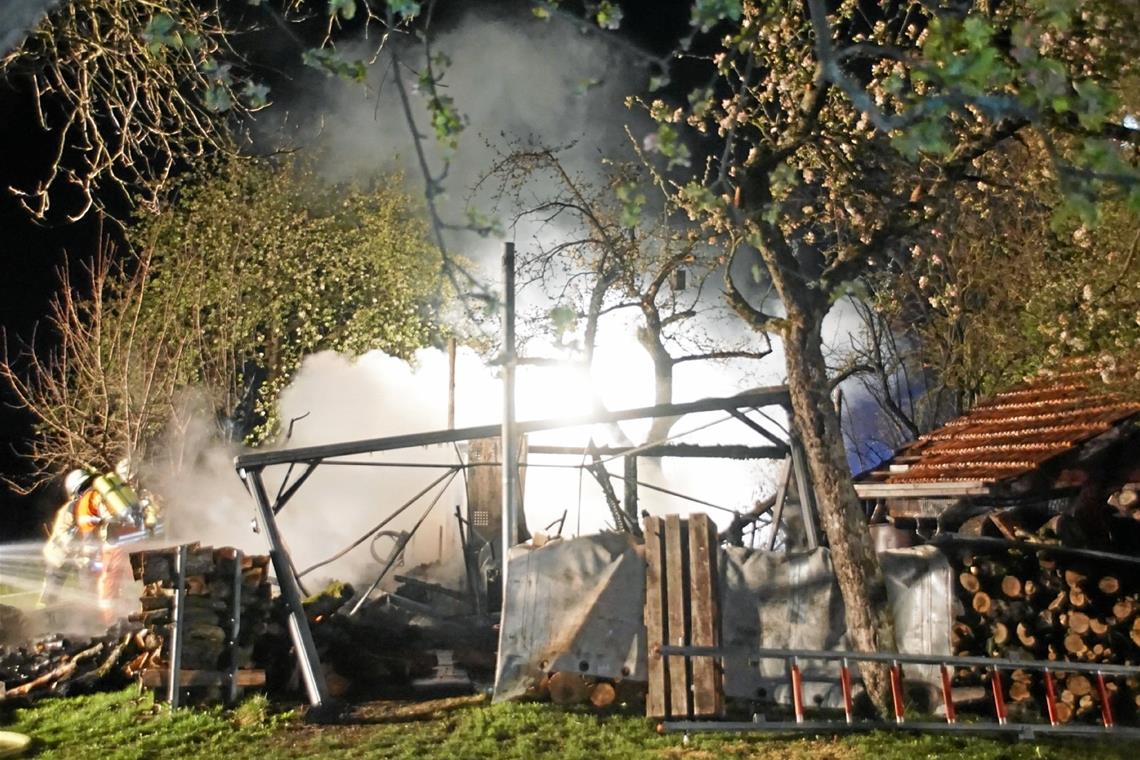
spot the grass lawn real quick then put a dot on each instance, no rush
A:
(126, 725)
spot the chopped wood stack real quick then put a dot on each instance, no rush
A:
(1126, 501)
(1048, 605)
(225, 608)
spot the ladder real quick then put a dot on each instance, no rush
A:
(994, 666)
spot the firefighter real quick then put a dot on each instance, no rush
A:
(102, 513)
(71, 543)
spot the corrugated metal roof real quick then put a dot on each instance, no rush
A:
(1017, 431)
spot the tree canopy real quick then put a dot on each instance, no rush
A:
(256, 265)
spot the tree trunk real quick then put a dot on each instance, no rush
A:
(650, 338)
(857, 569)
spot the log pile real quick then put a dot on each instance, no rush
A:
(1126, 501)
(569, 688)
(1049, 605)
(217, 584)
(58, 665)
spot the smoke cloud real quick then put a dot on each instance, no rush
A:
(377, 396)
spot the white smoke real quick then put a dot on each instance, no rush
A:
(378, 396)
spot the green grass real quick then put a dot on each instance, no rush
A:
(124, 725)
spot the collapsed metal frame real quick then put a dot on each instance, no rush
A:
(251, 468)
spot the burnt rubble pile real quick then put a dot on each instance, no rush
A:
(381, 649)
(59, 665)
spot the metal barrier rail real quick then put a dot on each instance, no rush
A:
(995, 666)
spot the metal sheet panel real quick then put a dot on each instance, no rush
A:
(792, 601)
(577, 605)
(573, 605)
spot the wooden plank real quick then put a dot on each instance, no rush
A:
(655, 700)
(708, 690)
(676, 587)
(805, 494)
(781, 496)
(484, 489)
(158, 678)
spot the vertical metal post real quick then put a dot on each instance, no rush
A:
(510, 438)
(451, 383)
(948, 694)
(999, 696)
(845, 684)
(303, 645)
(897, 693)
(177, 628)
(797, 690)
(631, 493)
(806, 494)
(1051, 699)
(235, 630)
(1105, 703)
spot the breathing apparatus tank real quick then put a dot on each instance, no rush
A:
(118, 497)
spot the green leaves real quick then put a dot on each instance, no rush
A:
(483, 224)
(563, 320)
(924, 137)
(161, 33)
(667, 141)
(585, 85)
(217, 99)
(346, 9)
(332, 63)
(264, 263)
(632, 202)
(446, 121)
(256, 95)
(608, 15)
(406, 9)
(709, 13)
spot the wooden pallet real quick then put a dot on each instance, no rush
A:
(681, 608)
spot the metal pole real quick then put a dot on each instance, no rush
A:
(510, 438)
(235, 630)
(303, 645)
(451, 383)
(177, 629)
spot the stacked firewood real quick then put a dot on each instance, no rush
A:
(1050, 605)
(208, 650)
(1126, 501)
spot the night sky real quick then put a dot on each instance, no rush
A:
(32, 252)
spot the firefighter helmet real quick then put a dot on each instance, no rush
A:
(77, 480)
